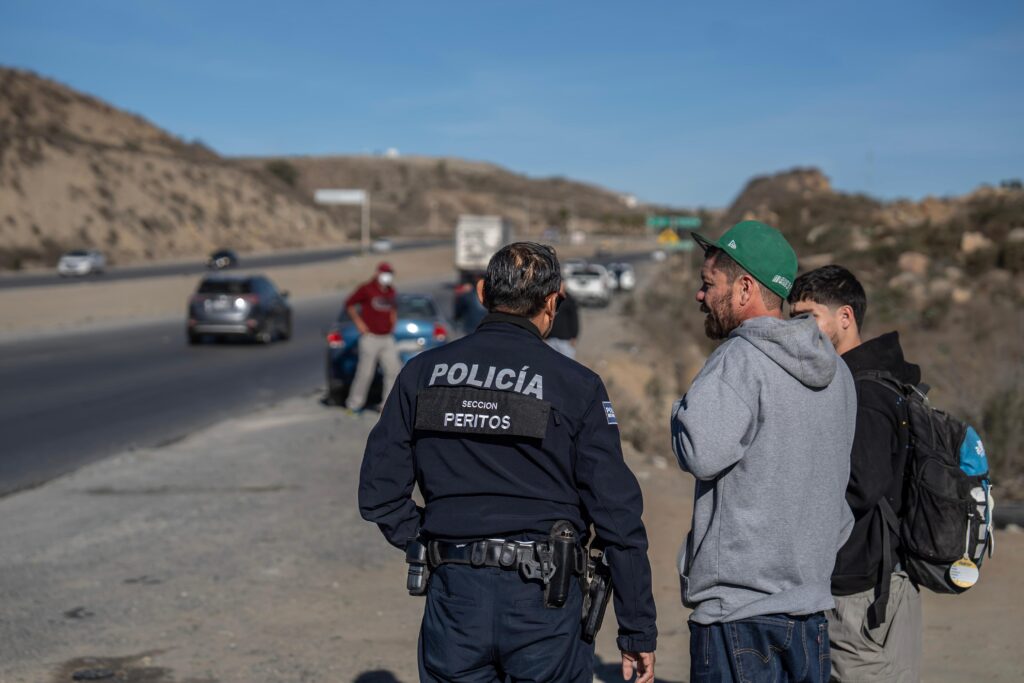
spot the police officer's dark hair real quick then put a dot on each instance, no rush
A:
(520, 277)
(831, 286)
(733, 270)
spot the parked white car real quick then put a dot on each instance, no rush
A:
(81, 262)
(589, 285)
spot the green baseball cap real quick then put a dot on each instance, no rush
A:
(761, 250)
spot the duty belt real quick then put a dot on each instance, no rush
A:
(534, 560)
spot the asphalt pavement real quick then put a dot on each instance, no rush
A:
(76, 398)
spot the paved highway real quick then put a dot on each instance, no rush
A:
(160, 269)
(73, 399)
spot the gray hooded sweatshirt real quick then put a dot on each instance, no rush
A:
(766, 428)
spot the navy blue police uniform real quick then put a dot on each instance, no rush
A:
(505, 437)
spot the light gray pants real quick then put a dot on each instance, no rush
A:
(890, 653)
(563, 346)
(373, 349)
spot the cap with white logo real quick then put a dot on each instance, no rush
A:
(761, 250)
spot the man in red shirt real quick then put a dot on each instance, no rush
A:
(372, 309)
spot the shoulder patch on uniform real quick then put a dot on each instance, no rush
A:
(609, 413)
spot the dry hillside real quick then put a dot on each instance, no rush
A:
(424, 195)
(76, 172)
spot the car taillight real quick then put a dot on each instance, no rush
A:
(335, 341)
(440, 333)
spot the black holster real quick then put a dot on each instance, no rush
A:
(597, 590)
(419, 569)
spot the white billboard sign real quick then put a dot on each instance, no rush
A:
(350, 197)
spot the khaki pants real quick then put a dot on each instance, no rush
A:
(890, 653)
(373, 349)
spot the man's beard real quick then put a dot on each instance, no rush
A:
(720, 320)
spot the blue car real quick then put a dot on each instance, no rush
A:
(420, 327)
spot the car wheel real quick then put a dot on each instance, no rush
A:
(193, 338)
(286, 332)
(264, 337)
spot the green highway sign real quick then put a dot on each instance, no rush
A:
(674, 222)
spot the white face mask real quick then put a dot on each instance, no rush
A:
(385, 279)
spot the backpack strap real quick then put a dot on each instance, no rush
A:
(890, 381)
(887, 519)
(890, 525)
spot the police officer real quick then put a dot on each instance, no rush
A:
(516, 452)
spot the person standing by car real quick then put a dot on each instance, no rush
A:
(468, 309)
(515, 449)
(372, 309)
(566, 329)
(766, 429)
(875, 628)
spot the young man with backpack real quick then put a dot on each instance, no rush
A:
(904, 534)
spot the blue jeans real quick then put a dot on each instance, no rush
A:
(487, 624)
(779, 648)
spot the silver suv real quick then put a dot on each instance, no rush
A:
(240, 307)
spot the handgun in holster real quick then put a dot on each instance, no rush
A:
(597, 591)
(419, 568)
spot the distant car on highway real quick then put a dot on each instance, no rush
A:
(381, 246)
(624, 276)
(589, 285)
(239, 307)
(222, 258)
(81, 262)
(420, 327)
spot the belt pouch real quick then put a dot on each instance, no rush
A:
(416, 558)
(563, 555)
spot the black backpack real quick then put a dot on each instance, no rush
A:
(946, 525)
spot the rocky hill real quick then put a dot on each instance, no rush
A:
(76, 172)
(947, 273)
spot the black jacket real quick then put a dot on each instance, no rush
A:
(446, 428)
(877, 462)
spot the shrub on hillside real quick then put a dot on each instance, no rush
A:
(284, 171)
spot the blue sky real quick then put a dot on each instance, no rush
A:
(676, 102)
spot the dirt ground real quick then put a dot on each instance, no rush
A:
(238, 555)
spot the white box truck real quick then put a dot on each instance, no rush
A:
(477, 238)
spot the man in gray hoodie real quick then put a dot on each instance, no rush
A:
(766, 429)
